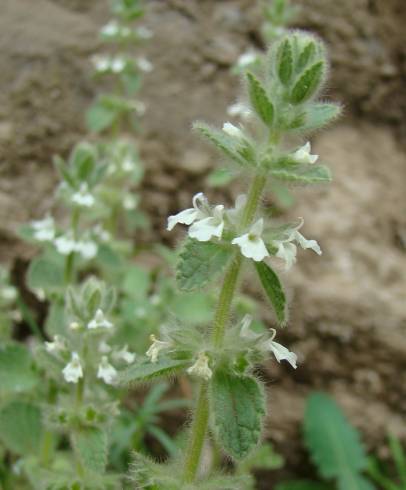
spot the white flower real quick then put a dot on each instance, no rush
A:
(73, 370)
(234, 214)
(127, 165)
(87, 249)
(247, 58)
(129, 202)
(156, 347)
(303, 155)
(287, 250)
(232, 130)
(44, 229)
(99, 321)
(101, 233)
(104, 347)
(251, 244)
(125, 355)
(144, 33)
(280, 352)
(112, 28)
(245, 331)
(106, 371)
(118, 64)
(145, 65)
(83, 197)
(101, 63)
(74, 326)
(203, 230)
(57, 345)
(201, 367)
(200, 210)
(239, 110)
(65, 244)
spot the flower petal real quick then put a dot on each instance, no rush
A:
(282, 353)
(185, 217)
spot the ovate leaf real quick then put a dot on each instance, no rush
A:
(16, 372)
(21, 427)
(237, 405)
(99, 117)
(90, 444)
(334, 444)
(319, 115)
(260, 100)
(146, 371)
(45, 274)
(308, 83)
(199, 263)
(353, 481)
(303, 174)
(274, 290)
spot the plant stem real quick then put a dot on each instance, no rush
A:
(70, 259)
(201, 415)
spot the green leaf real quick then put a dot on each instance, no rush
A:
(308, 83)
(45, 274)
(285, 61)
(222, 141)
(334, 444)
(99, 117)
(260, 100)
(303, 174)
(21, 427)
(220, 177)
(273, 288)
(146, 371)
(193, 308)
(136, 282)
(237, 405)
(55, 322)
(16, 371)
(306, 55)
(90, 444)
(302, 485)
(83, 159)
(199, 263)
(319, 115)
(353, 481)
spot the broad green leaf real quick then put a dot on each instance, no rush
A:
(308, 83)
(237, 406)
(354, 481)
(21, 427)
(222, 141)
(99, 117)
(193, 308)
(146, 371)
(334, 444)
(260, 100)
(90, 444)
(318, 115)
(136, 282)
(16, 371)
(303, 485)
(274, 290)
(303, 174)
(200, 263)
(220, 177)
(285, 61)
(45, 274)
(306, 55)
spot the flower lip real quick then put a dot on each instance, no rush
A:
(251, 244)
(303, 155)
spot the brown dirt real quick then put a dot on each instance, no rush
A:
(348, 315)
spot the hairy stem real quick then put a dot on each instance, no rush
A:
(70, 259)
(222, 315)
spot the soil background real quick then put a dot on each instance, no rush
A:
(348, 315)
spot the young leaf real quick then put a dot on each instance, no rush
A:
(285, 62)
(303, 174)
(90, 444)
(146, 371)
(260, 100)
(45, 274)
(16, 372)
(308, 83)
(222, 141)
(318, 115)
(100, 117)
(21, 427)
(353, 481)
(306, 55)
(273, 288)
(199, 263)
(333, 443)
(237, 405)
